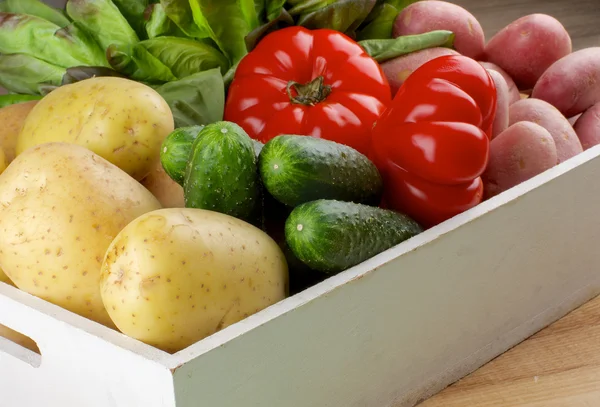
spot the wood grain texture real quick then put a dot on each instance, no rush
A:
(557, 367)
(580, 17)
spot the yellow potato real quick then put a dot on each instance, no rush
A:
(168, 192)
(123, 121)
(3, 162)
(18, 338)
(11, 121)
(175, 276)
(4, 278)
(61, 205)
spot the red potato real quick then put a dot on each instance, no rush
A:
(502, 105)
(521, 152)
(572, 84)
(425, 16)
(574, 119)
(543, 113)
(513, 91)
(528, 46)
(587, 127)
(398, 69)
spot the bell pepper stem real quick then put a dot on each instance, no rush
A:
(308, 94)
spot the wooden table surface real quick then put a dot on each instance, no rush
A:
(559, 366)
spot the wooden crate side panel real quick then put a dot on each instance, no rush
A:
(392, 336)
(77, 367)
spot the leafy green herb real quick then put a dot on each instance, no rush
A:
(103, 20)
(35, 8)
(64, 47)
(274, 8)
(194, 25)
(80, 73)
(21, 73)
(283, 20)
(229, 20)
(138, 64)
(307, 6)
(381, 26)
(159, 24)
(7, 100)
(134, 11)
(197, 99)
(185, 57)
(342, 15)
(385, 49)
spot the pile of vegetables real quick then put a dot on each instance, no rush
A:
(187, 50)
(170, 168)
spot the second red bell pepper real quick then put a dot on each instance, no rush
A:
(432, 144)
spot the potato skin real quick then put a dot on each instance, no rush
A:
(177, 275)
(61, 205)
(527, 47)
(168, 192)
(121, 120)
(521, 152)
(587, 127)
(398, 69)
(502, 103)
(18, 338)
(572, 84)
(3, 163)
(542, 113)
(425, 16)
(12, 119)
(513, 90)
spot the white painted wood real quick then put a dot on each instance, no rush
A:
(386, 333)
(79, 367)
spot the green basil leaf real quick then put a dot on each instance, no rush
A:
(283, 20)
(134, 12)
(193, 24)
(159, 24)
(80, 73)
(35, 8)
(7, 100)
(307, 6)
(381, 26)
(198, 99)
(274, 9)
(250, 13)
(400, 4)
(343, 15)
(385, 49)
(103, 20)
(185, 57)
(229, 22)
(21, 73)
(64, 47)
(138, 64)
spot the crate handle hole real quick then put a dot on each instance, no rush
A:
(20, 346)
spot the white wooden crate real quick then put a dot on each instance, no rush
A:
(387, 333)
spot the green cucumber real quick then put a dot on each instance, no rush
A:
(221, 174)
(298, 169)
(175, 151)
(331, 236)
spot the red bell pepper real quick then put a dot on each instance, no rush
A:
(317, 83)
(432, 144)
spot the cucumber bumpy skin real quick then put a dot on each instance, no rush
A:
(175, 151)
(221, 174)
(331, 236)
(298, 169)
